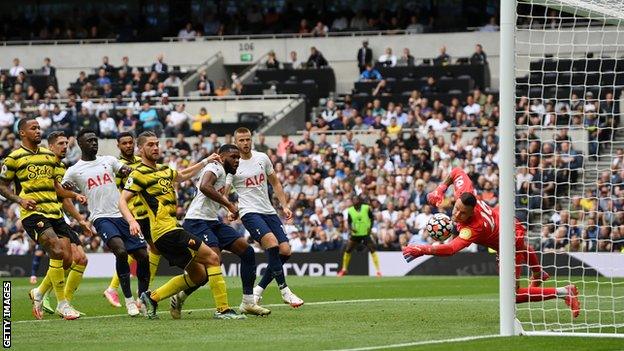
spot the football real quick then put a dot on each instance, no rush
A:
(439, 227)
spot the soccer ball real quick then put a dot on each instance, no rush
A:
(439, 227)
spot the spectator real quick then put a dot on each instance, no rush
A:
(7, 121)
(18, 244)
(340, 23)
(370, 74)
(492, 26)
(293, 61)
(364, 56)
(406, 59)
(128, 122)
(177, 121)
(431, 86)
(149, 119)
(303, 27)
(415, 27)
(320, 30)
(316, 59)
(388, 59)
(86, 120)
(45, 122)
(16, 69)
(261, 145)
(108, 68)
(182, 144)
(479, 57)
(160, 66)
(187, 33)
(200, 122)
(62, 120)
(285, 147)
(108, 128)
(443, 59)
(173, 81)
(472, 108)
(47, 68)
(102, 78)
(125, 65)
(222, 89)
(272, 62)
(394, 129)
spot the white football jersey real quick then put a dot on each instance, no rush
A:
(96, 180)
(203, 207)
(250, 182)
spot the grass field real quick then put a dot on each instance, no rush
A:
(348, 313)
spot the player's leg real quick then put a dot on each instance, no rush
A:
(529, 257)
(373, 252)
(111, 292)
(346, 256)
(117, 247)
(42, 231)
(36, 262)
(79, 264)
(141, 257)
(272, 241)
(153, 254)
(241, 248)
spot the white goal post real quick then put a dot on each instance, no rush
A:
(562, 164)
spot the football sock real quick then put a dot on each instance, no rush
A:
(375, 260)
(248, 270)
(172, 287)
(114, 284)
(73, 280)
(57, 278)
(154, 260)
(218, 288)
(123, 272)
(268, 275)
(535, 294)
(346, 259)
(143, 275)
(36, 262)
(275, 266)
(45, 284)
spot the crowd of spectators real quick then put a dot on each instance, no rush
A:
(140, 22)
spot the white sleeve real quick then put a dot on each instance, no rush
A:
(69, 175)
(269, 165)
(216, 169)
(115, 163)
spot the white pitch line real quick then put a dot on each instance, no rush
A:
(317, 303)
(420, 343)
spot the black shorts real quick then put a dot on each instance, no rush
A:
(36, 224)
(178, 247)
(362, 239)
(145, 229)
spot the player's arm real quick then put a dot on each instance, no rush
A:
(279, 192)
(68, 206)
(462, 184)
(372, 219)
(449, 249)
(190, 172)
(6, 177)
(124, 199)
(207, 188)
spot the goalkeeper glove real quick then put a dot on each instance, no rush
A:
(436, 197)
(410, 253)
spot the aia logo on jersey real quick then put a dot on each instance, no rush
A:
(255, 180)
(98, 181)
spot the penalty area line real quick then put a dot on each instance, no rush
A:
(316, 303)
(419, 343)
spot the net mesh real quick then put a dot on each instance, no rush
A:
(569, 158)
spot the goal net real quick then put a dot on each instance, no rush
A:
(569, 149)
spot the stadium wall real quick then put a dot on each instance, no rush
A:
(392, 264)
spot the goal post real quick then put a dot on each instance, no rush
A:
(562, 164)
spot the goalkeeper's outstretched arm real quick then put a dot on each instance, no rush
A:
(459, 179)
(449, 249)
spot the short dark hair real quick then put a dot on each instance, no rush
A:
(124, 134)
(141, 139)
(84, 131)
(55, 135)
(227, 148)
(22, 122)
(468, 199)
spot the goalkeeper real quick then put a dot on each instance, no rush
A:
(360, 219)
(478, 223)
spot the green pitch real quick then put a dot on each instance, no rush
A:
(340, 313)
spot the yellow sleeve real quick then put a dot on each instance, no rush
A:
(7, 172)
(134, 183)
